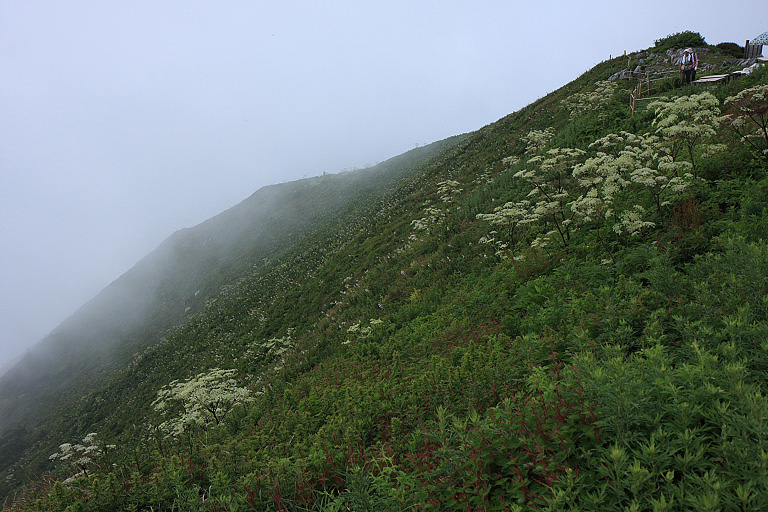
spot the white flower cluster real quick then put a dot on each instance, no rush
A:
(631, 221)
(550, 176)
(570, 187)
(623, 160)
(592, 101)
(552, 179)
(360, 331)
(535, 141)
(447, 189)
(433, 215)
(203, 400)
(750, 117)
(686, 123)
(82, 455)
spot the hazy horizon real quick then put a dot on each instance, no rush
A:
(123, 123)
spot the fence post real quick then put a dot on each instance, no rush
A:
(633, 101)
(752, 51)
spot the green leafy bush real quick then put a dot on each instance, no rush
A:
(732, 49)
(683, 39)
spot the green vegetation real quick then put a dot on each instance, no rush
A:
(683, 39)
(732, 49)
(565, 310)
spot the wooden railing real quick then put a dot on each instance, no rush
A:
(644, 88)
(636, 94)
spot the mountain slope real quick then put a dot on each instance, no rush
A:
(176, 280)
(497, 329)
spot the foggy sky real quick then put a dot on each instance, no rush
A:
(122, 122)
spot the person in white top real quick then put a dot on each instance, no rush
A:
(688, 66)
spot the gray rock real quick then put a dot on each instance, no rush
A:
(624, 74)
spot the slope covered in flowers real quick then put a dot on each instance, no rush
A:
(565, 310)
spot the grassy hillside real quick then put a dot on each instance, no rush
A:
(165, 289)
(565, 310)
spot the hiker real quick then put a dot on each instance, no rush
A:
(688, 65)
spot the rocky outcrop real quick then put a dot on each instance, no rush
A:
(624, 74)
(675, 55)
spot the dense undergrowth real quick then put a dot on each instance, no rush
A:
(498, 332)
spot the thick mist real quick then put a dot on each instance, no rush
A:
(123, 123)
(179, 279)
